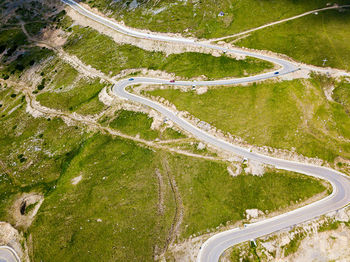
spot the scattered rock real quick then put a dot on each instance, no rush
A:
(76, 180)
(254, 168)
(253, 213)
(285, 240)
(268, 246)
(234, 170)
(201, 146)
(201, 90)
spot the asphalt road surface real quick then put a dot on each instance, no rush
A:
(216, 245)
(7, 254)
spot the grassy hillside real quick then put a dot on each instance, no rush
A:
(200, 18)
(310, 39)
(111, 199)
(103, 53)
(116, 204)
(292, 115)
(341, 94)
(34, 151)
(63, 88)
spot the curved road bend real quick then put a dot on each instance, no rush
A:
(286, 66)
(216, 245)
(7, 254)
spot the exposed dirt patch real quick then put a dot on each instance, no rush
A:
(234, 169)
(254, 168)
(105, 98)
(24, 209)
(56, 37)
(201, 90)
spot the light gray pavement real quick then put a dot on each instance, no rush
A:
(216, 245)
(7, 254)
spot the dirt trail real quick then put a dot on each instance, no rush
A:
(161, 192)
(335, 6)
(163, 188)
(179, 208)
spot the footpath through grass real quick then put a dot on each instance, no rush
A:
(292, 115)
(101, 52)
(201, 18)
(310, 39)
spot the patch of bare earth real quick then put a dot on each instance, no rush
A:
(24, 209)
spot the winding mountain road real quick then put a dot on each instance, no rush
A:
(212, 249)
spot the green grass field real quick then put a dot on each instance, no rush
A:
(310, 39)
(125, 200)
(65, 89)
(201, 18)
(103, 53)
(134, 123)
(211, 197)
(287, 115)
(138, 124)
(59, 74)
(341, 94)
(82, 98)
